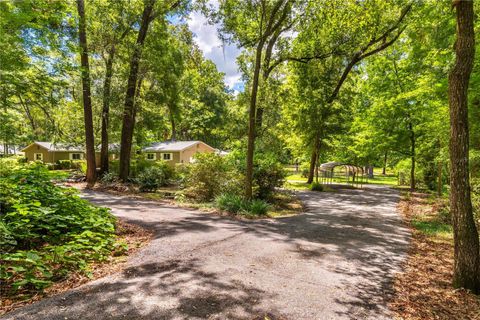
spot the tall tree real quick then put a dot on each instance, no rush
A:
(129, 112)
(466, 249)
(117, 22)
(87, 99)
(256, 25)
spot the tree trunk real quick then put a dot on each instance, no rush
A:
(174, 130)
(29, 115)
(313, 161)
(251, 122)
(412, 156)
(128, 114)
(440, 182)
(384, 170)
(87, 102)
(466, 243)
(106, 109)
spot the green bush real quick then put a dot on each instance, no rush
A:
(47, 230)
(155, 176)
(305, 169)
(7, 165)
(207, 177)
(268, 174)
(236, 204)
(316, 186)
(63, 164)
(257, 207)
(230, 202)
(109, 177)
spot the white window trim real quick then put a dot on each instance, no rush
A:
(72, 153)
(35, 157)
(154, 156)
(163, 156)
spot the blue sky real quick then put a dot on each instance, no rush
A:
(223, 55)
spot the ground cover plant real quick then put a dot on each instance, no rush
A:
(47, 231)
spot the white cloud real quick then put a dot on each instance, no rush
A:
(222, 54)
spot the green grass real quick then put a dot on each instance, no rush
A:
(296, 177)
(433, 228)
(297, 182)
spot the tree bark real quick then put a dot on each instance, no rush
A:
(313, 161)
(29, 115)
(466, 243)
(252, 120)
(128, 114)
(412, 156)
(87, 102)
(106, 109)
(384, 170)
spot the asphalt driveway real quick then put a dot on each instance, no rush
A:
(336, 261)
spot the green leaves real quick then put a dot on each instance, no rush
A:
(47, 231)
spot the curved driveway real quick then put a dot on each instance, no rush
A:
(336, 261)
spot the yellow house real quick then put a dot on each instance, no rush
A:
(176, 151)
(52, 152)
(170, 151)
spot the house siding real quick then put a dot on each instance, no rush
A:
(35, 148)
(188, 153)
(175, 156)
(48, 156)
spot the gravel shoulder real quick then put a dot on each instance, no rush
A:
(335, 261)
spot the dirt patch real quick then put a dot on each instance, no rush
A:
(423, 290)
(131, 235)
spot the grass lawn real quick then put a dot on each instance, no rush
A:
(295, 181)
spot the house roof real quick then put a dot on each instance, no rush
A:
(58, 146)
(170, 145)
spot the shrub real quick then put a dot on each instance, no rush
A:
(80, 165)
(206, 178)
(257, 207)
(305, 169)
(63, 164)
(7, 165)
(268, 174)
(47, 230)
(153, 177)
(236, 204)
(230, 202)
(316, 186)
(109, 177)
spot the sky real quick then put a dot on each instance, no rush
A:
(223, 55)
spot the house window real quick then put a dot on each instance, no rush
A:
(75, 156)
(167, 156)
(38, 156)
(151, 156)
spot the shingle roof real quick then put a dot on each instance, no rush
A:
(170, 145)
(60, 146)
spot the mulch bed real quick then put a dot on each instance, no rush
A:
(134, 236)
(423, 290)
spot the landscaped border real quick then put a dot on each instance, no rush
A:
(134, 236)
